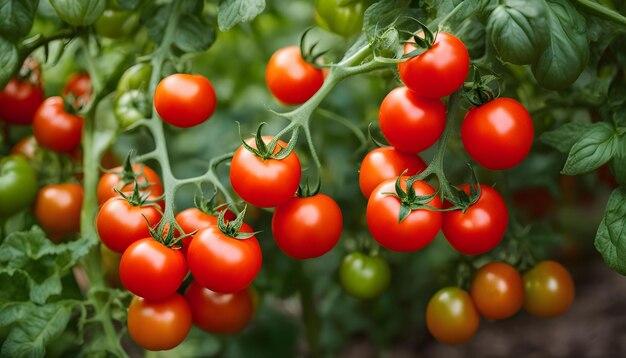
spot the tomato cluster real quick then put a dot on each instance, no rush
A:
(497, 292)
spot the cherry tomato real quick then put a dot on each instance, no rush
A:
(290, 78)
(498, 135)
(56, 129)
(121, 223)
(78, 88)
(159, 325)
(305, 228)
(222, 263)
(386, 163)
(409, 122)
(549, 290)
(438, 71)
(264, 183)
(185, 100)
(194, 219)
(223, 313)
(18, 184)
(481, 227)
(115, 24)
(19, 101)
(147, 179)
(26, 147)
(363, 276)
(151, 270)
(414, 232)
(497, 290)
(451, 316)
(57, 209)
(345, 20)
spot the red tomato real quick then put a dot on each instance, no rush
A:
(194, 219)
(78, 89)
(57, 209)
(147, 178)
(56, 129)
(549, 290)
(158, 325)
(497, 290)
(223, 313)
(498, 135)
(26, 146)
(185, 100)
(290, 78)
(19, 101)
(414, 232)
(120, 223)
(385, 163)
(409, 122)
(221, 263)
(264, 183)
(438, 71)
(151, 270)
(305, 228)
(481, 227)
(451, 316)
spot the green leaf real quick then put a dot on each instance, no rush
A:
(564, 137)
(595, 148)
(518, 30)
(233, 12)
(9, 61)
(42, 262)
(566, 55)
(194, 34)
(155, 18)
(128, 5)
(33, 327)
(17, 17)
(611, 235)
(79, 12)
(382, 16)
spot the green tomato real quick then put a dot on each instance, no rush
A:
(339, 17)
(18, 184)
(136, 77)
(116, 24)
(130, 107)
(363, 276)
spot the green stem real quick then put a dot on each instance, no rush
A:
(309, 313)
(31, 44)
(601, 11)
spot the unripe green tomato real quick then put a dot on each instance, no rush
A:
(363, 276)
(18, 184)
(116, 24)
(345, 20)
(135, 77)
(130, 107)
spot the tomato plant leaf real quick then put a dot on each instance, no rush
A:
(17, 17)
(128, 5)
(564, 137)
(9, 59)
(518, 30)
(33, 327)
(595, 148)
(79, 12)
(566, 55)
(611, 236)
(233, 12)
(45, 262)
(155, 17)
(194, 34)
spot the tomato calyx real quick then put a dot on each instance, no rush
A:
(425, 42)
(409, 199)
(479, 92)
(266, 151)
(137, 198)
(460, 199)
(377, 141)
(129, 176)
(209, 205)
(231, 229)
(305, 191)
(308, 54)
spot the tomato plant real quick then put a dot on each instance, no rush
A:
(19, 101)
(18, 184)
(56, 129)
(123, 180)
(78, 89)
(345, 19)
(224, 313)
(386, 163)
